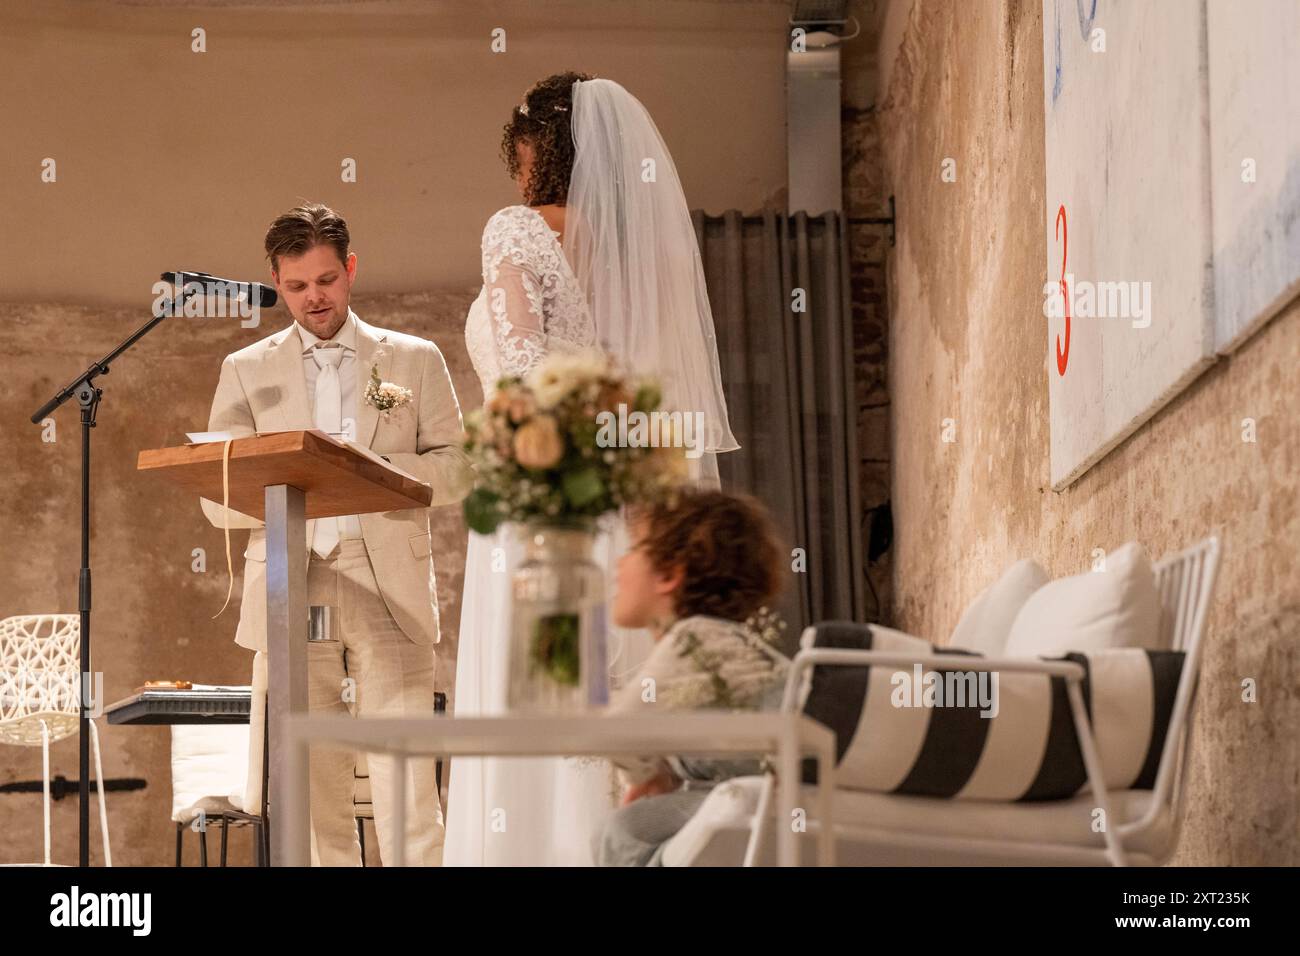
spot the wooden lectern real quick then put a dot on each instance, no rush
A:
(284, 478)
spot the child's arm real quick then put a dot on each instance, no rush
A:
(641, 696)
(665, 782)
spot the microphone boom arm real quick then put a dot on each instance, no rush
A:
(98, 368)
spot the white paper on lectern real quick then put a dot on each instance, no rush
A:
(205, 438)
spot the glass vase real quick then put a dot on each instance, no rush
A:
(557, 631)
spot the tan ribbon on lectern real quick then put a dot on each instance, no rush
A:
(225, 522)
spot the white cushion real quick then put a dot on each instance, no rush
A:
(987, 622)
(1115, 607)
(869, 827)
(209, 766)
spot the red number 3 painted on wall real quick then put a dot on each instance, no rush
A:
(1062, 233)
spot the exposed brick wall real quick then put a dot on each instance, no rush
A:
(864, 197)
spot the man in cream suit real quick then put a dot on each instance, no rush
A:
(374, 570)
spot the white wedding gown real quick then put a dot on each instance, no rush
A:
(515, 811)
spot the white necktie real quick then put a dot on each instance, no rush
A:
(329, 418)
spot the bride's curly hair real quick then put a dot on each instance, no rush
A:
(545, 120)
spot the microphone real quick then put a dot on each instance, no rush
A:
(262, 295)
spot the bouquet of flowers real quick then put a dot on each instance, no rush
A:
(542, 448)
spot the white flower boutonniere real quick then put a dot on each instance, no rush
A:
(385, 396)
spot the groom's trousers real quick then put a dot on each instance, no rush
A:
(373, 670)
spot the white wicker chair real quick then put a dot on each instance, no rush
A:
(40, 674)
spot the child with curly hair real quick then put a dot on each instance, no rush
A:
(699, 575)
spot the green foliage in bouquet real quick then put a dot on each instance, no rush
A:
(554, 647)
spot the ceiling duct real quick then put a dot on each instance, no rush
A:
(813, 105)
(819, 13)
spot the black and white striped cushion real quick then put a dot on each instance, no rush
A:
(1028, 751)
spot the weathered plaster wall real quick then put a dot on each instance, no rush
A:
(169, 159)
(967, 342)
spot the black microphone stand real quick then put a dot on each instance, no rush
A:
(88, 395)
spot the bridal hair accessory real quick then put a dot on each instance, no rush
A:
(557, 108)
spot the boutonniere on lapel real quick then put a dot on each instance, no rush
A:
(385, 396)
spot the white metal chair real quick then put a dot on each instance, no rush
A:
(40, 695)
(209, 770)
(894, 829)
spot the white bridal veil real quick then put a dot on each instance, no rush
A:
(629, 238)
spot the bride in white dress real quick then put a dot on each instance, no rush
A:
(602, 253)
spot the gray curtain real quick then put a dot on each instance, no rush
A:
(788, 377)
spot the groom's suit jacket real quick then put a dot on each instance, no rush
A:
(262, 388)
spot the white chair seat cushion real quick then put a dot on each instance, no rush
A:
(1117, 607)
(209, 767)
(716, 835)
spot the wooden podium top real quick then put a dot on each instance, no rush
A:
(338, 480)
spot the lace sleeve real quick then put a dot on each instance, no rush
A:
(513, 280)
